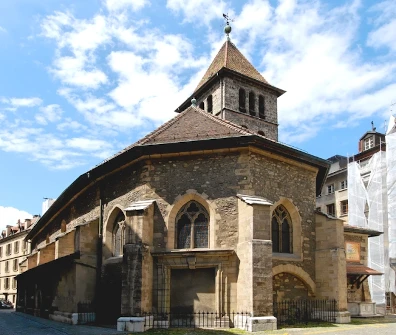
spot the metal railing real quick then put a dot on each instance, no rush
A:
(303, 311)
(86, 312)
(195, 320)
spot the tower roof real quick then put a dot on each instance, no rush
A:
(231, 58)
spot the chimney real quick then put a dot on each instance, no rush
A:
(46, 204)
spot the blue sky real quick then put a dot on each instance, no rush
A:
(80, 80)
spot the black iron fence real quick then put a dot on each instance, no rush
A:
(304, 311)
(86, 312)
(195, 320)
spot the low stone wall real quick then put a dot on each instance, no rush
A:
(73, 318)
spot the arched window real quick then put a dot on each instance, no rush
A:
(242, 100)
(119, 234)
(252, 104)
(210, 104)
(261, 107)
(192, 225)
(202, 105)
(281, 230)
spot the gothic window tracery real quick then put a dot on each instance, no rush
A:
(119, 234)
(192, 226)
(281, 228)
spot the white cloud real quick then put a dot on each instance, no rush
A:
(198, 11)
(384, 35)
(81, 38)
(309, 50)
(50, 113)
(22, 102)
(11, 215)
(117, 5)
(2, 30)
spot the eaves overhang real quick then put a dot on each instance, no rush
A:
(221, 73)
(128, 157)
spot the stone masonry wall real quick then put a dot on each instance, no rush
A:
(276, 180)
(287, 286)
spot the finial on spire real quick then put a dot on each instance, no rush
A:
(227, 28)
(194, 102)
(372, 126)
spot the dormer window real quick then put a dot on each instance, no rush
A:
(210, 104)
(242, 100)
(261, 107)
(252, 104)
(368, 143)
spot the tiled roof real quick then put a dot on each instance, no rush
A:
(190, 125)
(231, 58)
(359, 269)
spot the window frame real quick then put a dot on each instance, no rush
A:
(242, 100)
(330, 189)
(209, 101)
(193, 232)
(344, 207)
(368, 143)
(119, 225)
(344, 184)
(279, 217)
(261, 107)
(16, 247)
(252, 103)
(328, 211)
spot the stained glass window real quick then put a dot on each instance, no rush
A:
(281, 230)
(192, 226)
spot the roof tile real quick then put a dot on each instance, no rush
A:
(231, 58)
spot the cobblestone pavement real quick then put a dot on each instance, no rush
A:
(14, 323)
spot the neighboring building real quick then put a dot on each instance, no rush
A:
(13, 250)
(209, 212)
(360, 190)
(333, 199)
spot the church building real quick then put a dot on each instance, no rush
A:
(209, 212)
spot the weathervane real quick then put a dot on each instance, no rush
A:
(227, 28)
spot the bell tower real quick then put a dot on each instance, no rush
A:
(233, 90)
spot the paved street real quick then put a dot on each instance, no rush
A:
(13, 323)
(383, 326)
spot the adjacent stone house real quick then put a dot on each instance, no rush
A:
(208, 212)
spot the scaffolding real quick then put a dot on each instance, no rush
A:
(372, 205)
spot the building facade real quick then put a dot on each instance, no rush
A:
(209, 212)
(13, 250)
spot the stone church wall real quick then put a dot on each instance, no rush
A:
(278, 180)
